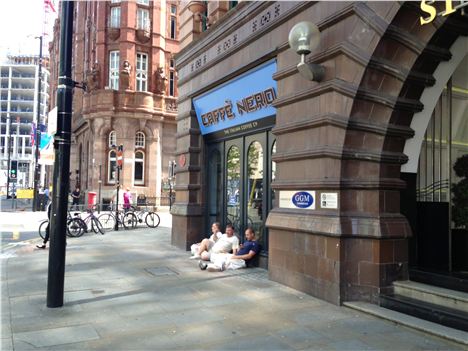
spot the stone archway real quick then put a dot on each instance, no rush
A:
(398, 73)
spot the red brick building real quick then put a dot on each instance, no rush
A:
(123, 52)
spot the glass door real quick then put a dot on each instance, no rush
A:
(234, 187)
(239, 173)
(255, 178)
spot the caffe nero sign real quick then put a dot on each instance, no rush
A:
(239, 104)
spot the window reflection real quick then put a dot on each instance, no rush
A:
(232, 187)
(255, 189)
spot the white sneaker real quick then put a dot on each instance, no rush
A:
(195, 257)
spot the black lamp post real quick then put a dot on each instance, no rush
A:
(62, 144)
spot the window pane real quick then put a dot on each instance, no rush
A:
(143, 2)
(141, 72)
(171, 84)
(140, 140)
(114, 70)
(138, 171)
(143, 19)
(232, 188)
(173, 9)
(115, 17)
(173, 27)
(254, 201)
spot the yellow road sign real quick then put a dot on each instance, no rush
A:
(24, 193)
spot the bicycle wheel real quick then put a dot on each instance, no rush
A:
(129, 220)
(97, 226)
(107, 221)
(75, 227)
(42, 228)
(152, 219)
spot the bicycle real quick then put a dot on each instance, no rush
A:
(127, 220)
(43, 226)
(77, 226)
(151, 218)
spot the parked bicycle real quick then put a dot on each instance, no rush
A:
(77, 226)
(127, 220)
(142, 214)
(43, 226)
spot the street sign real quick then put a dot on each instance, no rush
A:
(120, 156)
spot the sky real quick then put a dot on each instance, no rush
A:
(20, 22)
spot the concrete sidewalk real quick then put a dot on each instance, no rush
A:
(131, 290)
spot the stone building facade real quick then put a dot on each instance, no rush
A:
(123, 56)
(351, 141)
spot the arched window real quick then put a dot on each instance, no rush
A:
(139, 168)
(111, 170)
(139, 140)
(112, 139)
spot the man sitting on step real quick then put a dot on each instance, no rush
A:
(226, 243)
(239, 259)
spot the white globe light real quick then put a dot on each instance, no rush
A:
(304, 37)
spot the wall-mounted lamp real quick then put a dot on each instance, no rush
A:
(303, 38)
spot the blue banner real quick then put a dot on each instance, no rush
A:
(245, 99)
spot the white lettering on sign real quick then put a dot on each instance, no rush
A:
(297, 199)
(329, 200)
(263, 20)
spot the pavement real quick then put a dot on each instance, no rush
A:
(132, 290)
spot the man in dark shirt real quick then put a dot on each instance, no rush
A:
(223, 261)
(76, 199)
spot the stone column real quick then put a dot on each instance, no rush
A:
(187, 213)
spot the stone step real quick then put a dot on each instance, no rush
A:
(456, 300)
(453, 281)
(428, 311)
(410, 321)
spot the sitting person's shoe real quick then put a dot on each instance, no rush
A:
(202, 265)
(43, 246)
(213, 268)
(195, 257)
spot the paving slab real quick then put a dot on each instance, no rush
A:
(57, 336)
(131, 290)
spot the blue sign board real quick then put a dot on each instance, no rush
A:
(244, 99)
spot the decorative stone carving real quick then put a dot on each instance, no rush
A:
(172, 106)
(92, 78)
(124, 79)
(160, 81)
(113, 33)
(143, 35)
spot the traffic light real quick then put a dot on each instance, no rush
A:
(14, 170)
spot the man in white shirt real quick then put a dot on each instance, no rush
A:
(206, 244)
(227, 243)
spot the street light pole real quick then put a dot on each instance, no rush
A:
(9, 156)
(62, 144)
(99, 196)
(35, 205)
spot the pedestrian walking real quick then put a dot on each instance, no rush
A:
(46, 237)
(46, 198)
(127, 199)
(76, 198)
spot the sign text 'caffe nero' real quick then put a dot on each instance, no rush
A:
(238, 104)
